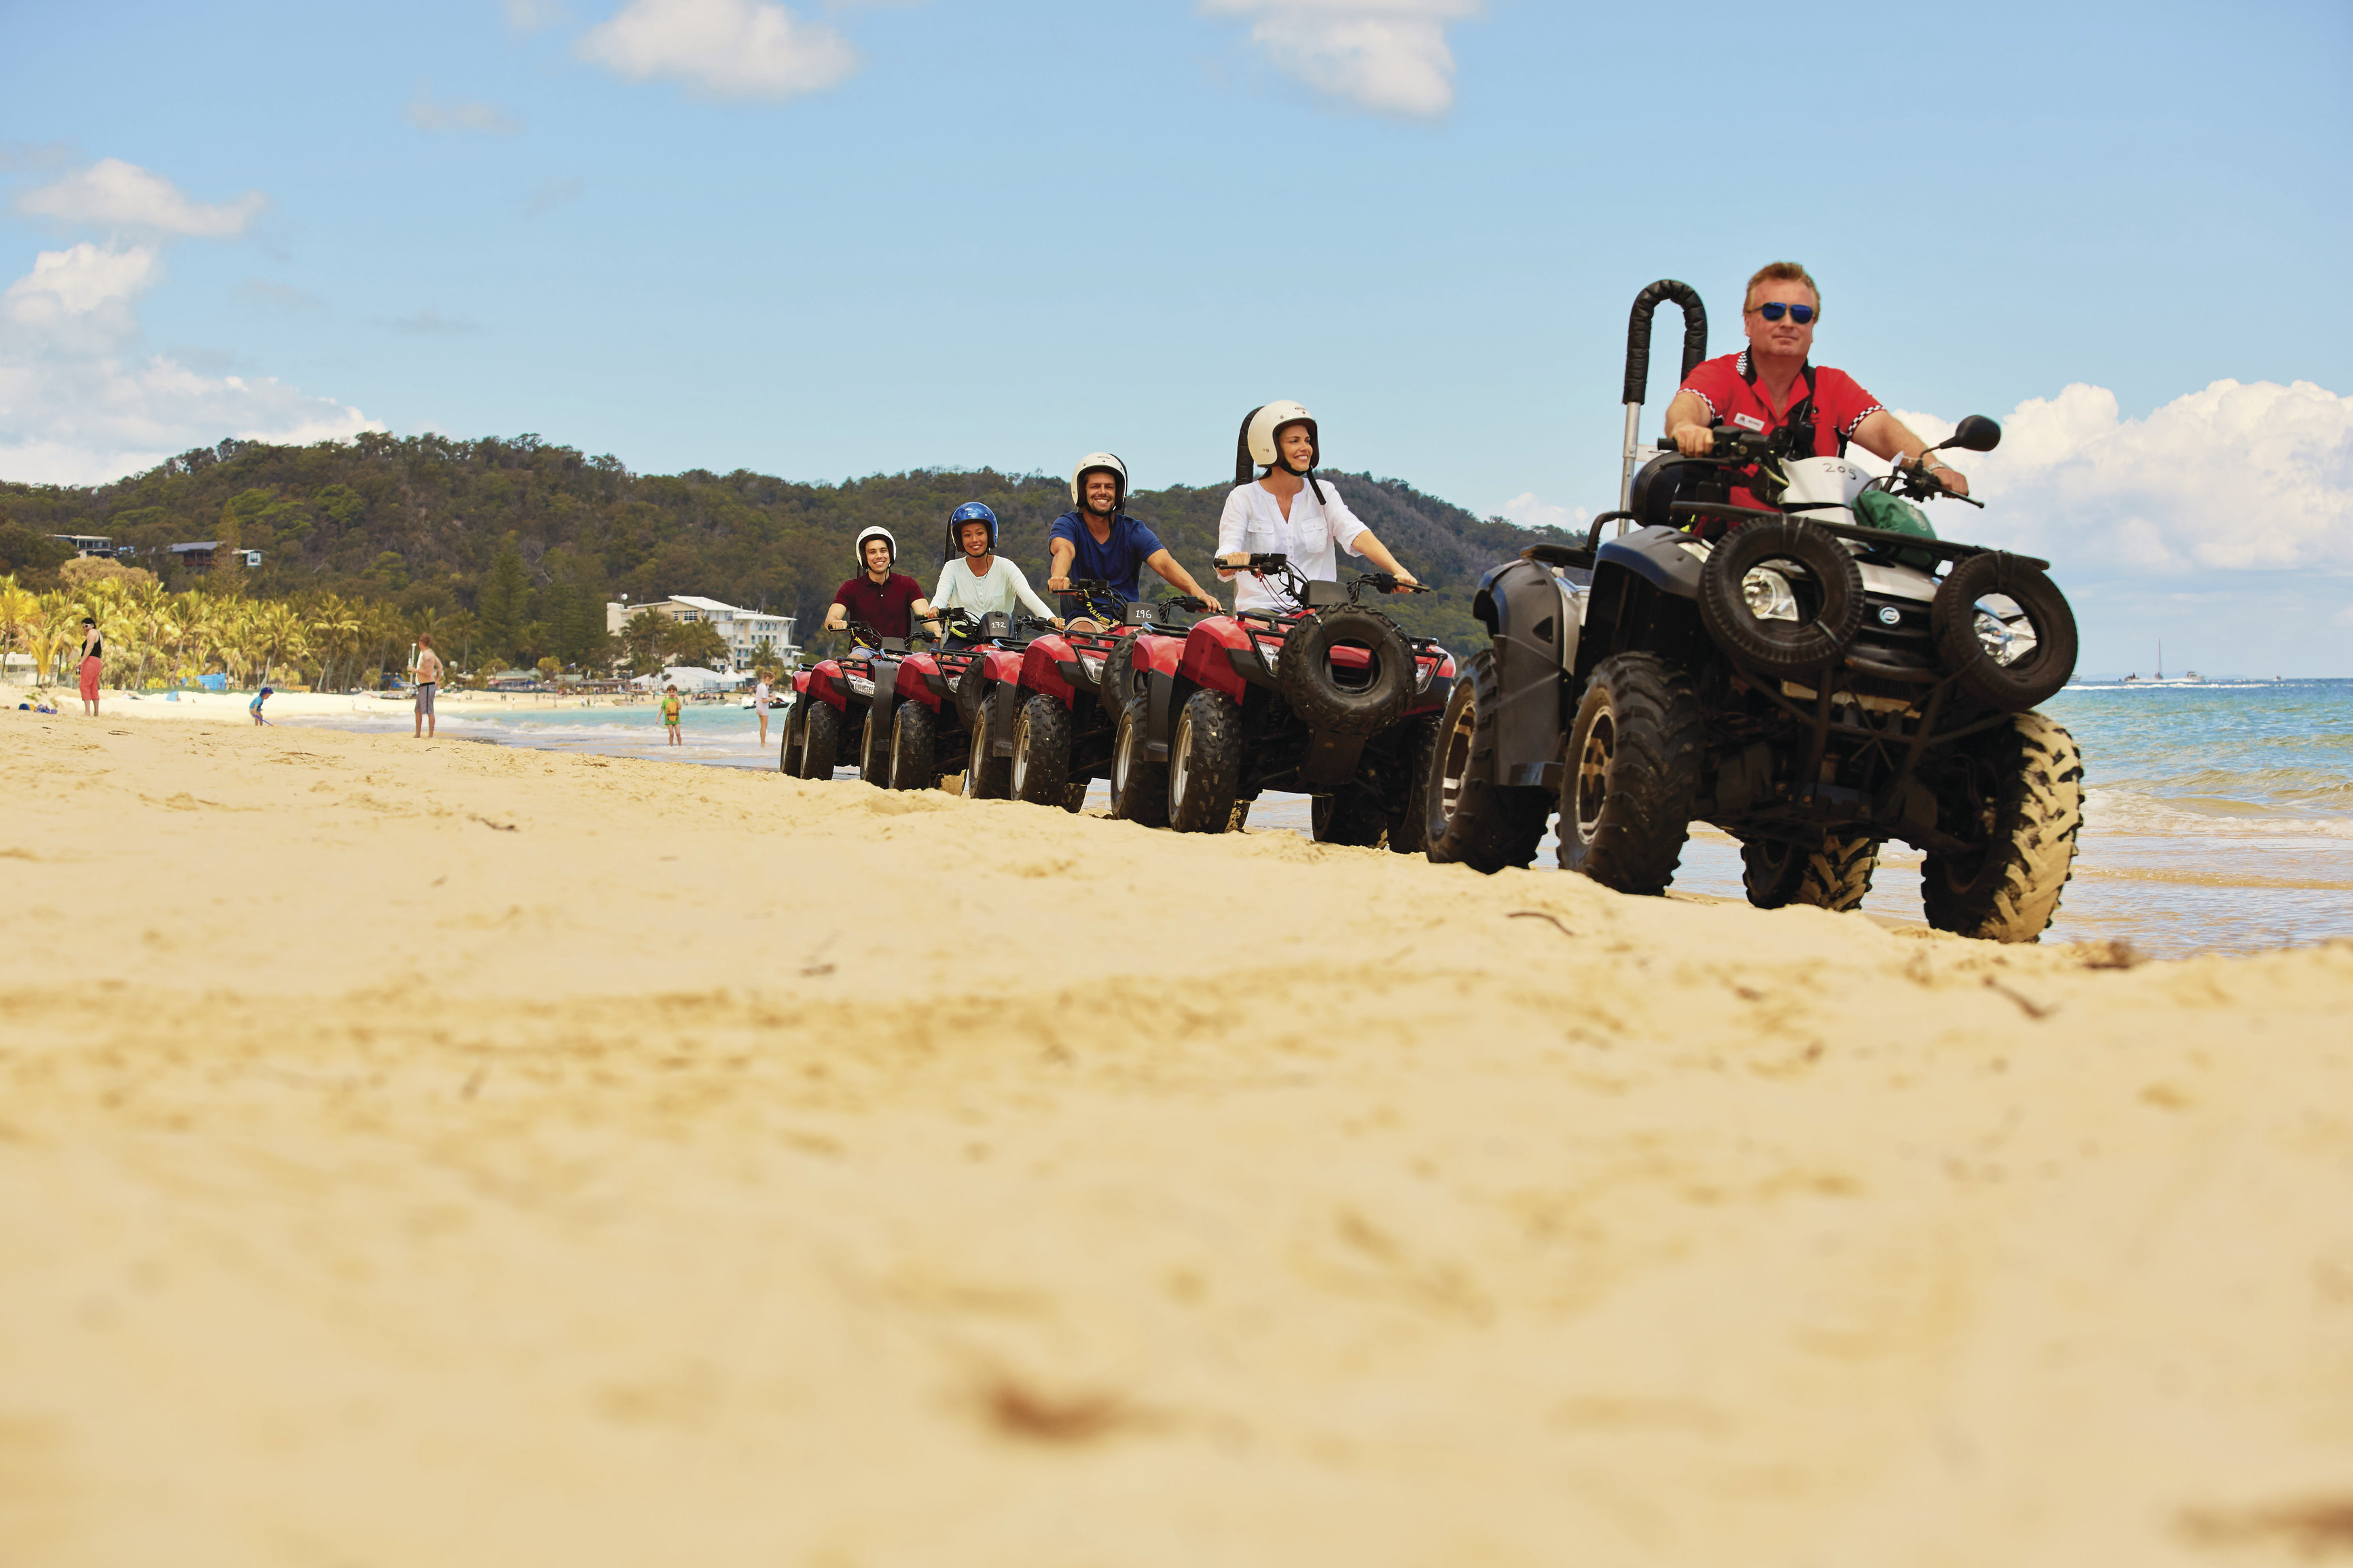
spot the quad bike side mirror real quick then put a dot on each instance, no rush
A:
(1974, 434)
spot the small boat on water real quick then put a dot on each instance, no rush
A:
(2160, 679)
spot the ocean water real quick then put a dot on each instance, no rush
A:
(2217, 817)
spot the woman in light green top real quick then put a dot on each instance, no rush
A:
(978, 581)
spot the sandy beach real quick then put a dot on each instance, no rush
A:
(442, 1153)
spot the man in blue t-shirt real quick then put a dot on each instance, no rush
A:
(1098, 541)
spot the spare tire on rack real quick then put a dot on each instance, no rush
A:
(1825, 596)
(2009, 660)
(1317, 694)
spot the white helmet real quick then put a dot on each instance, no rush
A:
(1256, 445)
(1109, 464)
(876, 532)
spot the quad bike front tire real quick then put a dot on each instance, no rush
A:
(1467, 818)
(1952, 619)
(1633, 771)
(1204, 764)
(1139, 786)
(1041, 752)
(987, 776)
(2009, 889)
(1353, 818)
(1776, 873)
(820, 740)
(914, 736)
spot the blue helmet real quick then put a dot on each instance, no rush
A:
(971, 511)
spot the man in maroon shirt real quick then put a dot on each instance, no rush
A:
(1772, 387)
(879, 596)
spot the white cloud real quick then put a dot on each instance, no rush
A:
(76, 409)
(530, 15)
(120, 195)
(1526, 510)
(462, 116)
(1388, 56)
(724, 48)
(2237, 478)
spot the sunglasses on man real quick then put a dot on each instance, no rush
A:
(1801, 314)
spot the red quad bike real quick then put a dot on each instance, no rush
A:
(938, 695)
(1814, 675)
(1065, 719)
(833, 704)
(1329, 698)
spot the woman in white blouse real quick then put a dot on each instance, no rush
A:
(1287, 511)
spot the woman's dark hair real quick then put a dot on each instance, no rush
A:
(88, 621)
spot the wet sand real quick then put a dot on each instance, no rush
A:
(451, 1154)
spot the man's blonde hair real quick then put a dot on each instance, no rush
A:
(1781, 272)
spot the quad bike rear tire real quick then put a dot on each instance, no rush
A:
(1952, 620)
(1316, 694)
(987, 776)
(1204, 764)
(2010, 890)
(1781, 648)
(1117, 686)
(1041, 752)
(915, 750)
(820, 740)
(874, 749)
(1633, 772)
(788, 761)
(1408, 825)
(1776, 873)
(1467, 818)
(1352, 817)
(1139, 786)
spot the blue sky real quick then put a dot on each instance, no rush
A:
(865, 236)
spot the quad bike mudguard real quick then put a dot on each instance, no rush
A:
(1536, 621)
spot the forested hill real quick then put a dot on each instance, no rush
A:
(416, 523)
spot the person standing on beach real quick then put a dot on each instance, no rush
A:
(761, 692)
(429, 681)
(1096, 540)
(254, 707)
(671, 710)
(93, 659)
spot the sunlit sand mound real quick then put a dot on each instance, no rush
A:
(443, 1154)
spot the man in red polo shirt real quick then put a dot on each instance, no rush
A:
(888, 601)
(1771, 387)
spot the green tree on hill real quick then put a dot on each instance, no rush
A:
(503, 602)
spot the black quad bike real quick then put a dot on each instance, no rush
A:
(1814, 675)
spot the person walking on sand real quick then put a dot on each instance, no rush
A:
(670, 709)
(254, 707)
(93, 659)
(429, 681)
(761, 693)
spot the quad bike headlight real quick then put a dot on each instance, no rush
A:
(863, 684)
(1422, 670)
(1092, 664)
(1768, 594)
(2005, 641)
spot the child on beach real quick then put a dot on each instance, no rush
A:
(670, 709)
(762, 694)
(254, 707)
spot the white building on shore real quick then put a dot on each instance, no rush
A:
(753, 636)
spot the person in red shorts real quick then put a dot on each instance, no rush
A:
(888, 601)
(1773, 388)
